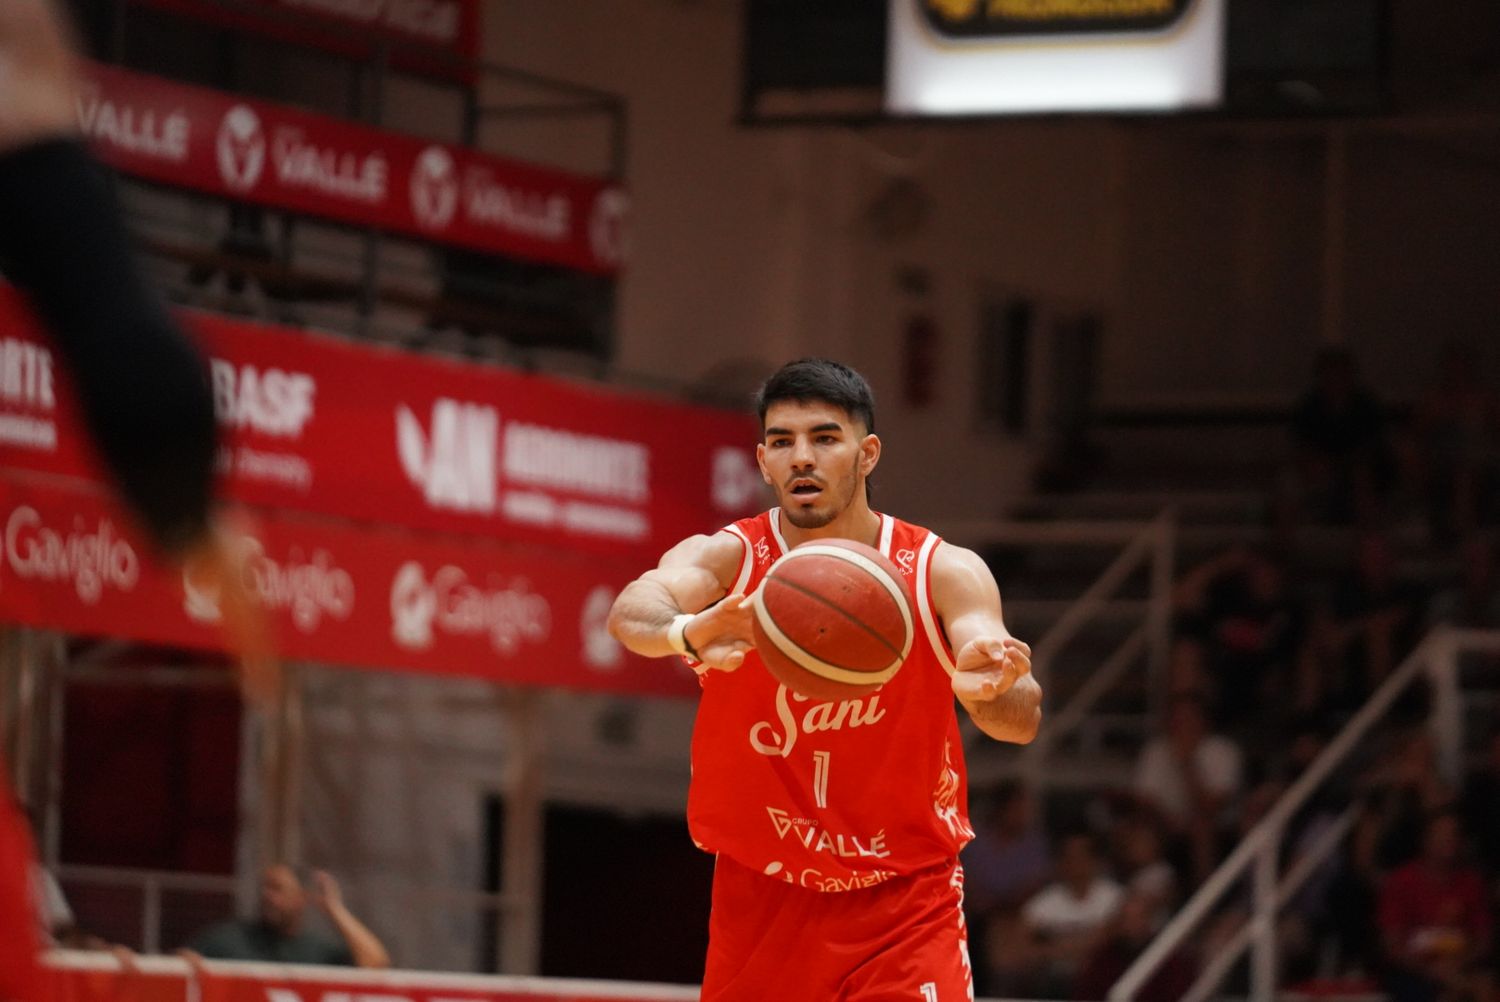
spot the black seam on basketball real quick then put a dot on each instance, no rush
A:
(895, 652)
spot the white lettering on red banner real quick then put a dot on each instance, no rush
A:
(147, 132)
(601, 651)
(736, 479)
(454, 464)
(302, 163)
(26, 385)
(521, 615)
(434, 188)
(493, 204)
(306, 587)
(271, 402)
(324, 426)
(509, 616)
(91, 559)
(240, 148)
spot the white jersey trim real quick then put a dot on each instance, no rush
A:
(747, 562)
(774, 517)
(924, 603)
(887, 531)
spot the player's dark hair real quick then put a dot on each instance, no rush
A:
(819, 380)
(823, 381)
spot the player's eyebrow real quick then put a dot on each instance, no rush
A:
(825, 426)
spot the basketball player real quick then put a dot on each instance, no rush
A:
(144, 390)
(836, 825)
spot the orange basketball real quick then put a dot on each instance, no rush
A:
(833, 619)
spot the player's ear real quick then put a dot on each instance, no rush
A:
(869, 453)
(760, 460)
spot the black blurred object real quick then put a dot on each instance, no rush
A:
(143, 387)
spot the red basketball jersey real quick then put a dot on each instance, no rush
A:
(832, 795)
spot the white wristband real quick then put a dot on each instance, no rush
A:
(677, 634)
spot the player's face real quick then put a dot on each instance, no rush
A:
(816, 457)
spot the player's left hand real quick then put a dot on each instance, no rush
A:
(989, 666)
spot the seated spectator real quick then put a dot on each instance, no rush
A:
(1342, 459)
(1434, 920)
(1481, 800)
(1475, 599)
(1129, 934)
(1066, 919)
(1009, 859)
(278, 935)
(1006, 863)
(1406, 788)
(1147, 875)
(1241, 609)
(1190, 777)
(1377, 617)
(1457, 441)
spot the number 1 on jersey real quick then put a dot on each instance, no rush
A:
(820, 777)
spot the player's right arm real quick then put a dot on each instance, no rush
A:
(693, 578)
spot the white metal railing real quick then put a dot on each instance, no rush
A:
(152, 885)
(1436, 658)
(1150, 545)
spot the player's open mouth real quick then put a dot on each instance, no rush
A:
(806, 489)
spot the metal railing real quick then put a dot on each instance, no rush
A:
(1146, 545)
(187, 902)
(1435, 659)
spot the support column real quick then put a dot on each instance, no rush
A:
(521, 843)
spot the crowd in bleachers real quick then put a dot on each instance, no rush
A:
(1272, 653)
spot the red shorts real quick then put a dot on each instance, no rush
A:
(901, 941)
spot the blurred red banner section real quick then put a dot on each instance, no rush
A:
(363, 596)
(231, 983)
(315, 424)
(419, 33)
(253, 151)
(409, 512)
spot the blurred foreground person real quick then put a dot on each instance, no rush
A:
(143, 388)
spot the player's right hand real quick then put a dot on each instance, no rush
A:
(217, 563)
(721, 634)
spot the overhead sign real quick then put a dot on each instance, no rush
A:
(978, 57)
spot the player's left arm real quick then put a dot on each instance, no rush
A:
(994, 681)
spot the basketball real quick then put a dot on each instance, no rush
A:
(833, 619)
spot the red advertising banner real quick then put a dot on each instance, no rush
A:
(269, 154)
(74, 977)
(355, 29)
(338, 594)
(315, 424)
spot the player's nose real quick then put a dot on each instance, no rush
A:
(802, 455)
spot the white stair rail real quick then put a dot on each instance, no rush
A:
(1150, 543)
(1437, 655)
